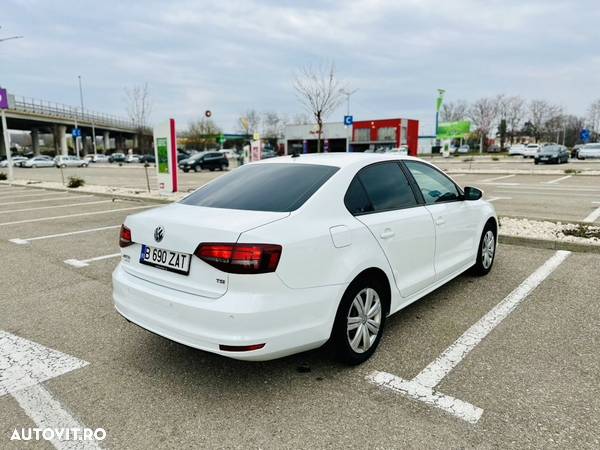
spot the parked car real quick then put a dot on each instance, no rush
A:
(464, 149)
(99, 158)
(402, 150)
(39, 161)
(575, 150)
(133, 158)
(184, 155)
(268, 153)
(150, 158)
(201, 161)
(230, 154)
(69, 161)
(589, 151)
(557, 154)
(282, 255)
(531, 150)
(494, 148)
(117, 158)
(14, 159)
(516, 149)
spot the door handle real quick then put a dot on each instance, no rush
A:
(440, 221)
(387, 233)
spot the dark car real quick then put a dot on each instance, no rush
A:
(147, 158)
(556, 154)
(204, 160)
(117, 157)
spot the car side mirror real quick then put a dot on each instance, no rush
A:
(472, 193)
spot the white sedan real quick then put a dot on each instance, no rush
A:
(589, 151)
(38, 161)
(286, 254)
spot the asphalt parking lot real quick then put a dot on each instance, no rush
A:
(533, 376)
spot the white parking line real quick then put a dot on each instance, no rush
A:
(595, 214)
(70, 197)
(86, 262)
(92, 213)
(493, 199)
(52, 207)
(26, 364)
(558, 179)
(487, 180)
(69, 233)
(421, 387)
(2, 197)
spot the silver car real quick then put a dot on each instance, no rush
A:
(38, 161)
(69, 161)
(15, 160)
(589, 151)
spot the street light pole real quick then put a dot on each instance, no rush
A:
(349, 134)
(92, 120)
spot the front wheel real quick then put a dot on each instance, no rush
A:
(486, 251)
(359, 322)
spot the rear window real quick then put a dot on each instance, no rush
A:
(277, 187)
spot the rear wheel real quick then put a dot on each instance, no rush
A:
(359, 321)
(486, 251)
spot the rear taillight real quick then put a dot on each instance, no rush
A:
(125, 237)
(240, 258)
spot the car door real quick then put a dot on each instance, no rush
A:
(381, 197)
(456, 220)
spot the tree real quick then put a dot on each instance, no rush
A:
(593, 118)
(483, 114)
(250, 121)
(454, 111)
(139, 108)
(543, 117)
(202, 134)
(300, 119)
(320, 92)
(272, 125)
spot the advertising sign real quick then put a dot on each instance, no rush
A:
(453, 130)
(165, 152)
(255, 151)
(3, 99)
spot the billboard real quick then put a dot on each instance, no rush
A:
(165, 152)
(453, 130)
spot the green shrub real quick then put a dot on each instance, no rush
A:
(75, 182)
(495, 158)
(3, 176)
(572, 171)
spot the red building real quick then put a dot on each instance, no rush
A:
(385, 133)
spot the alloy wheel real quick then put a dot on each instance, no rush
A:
(487, 249)
(364, 320)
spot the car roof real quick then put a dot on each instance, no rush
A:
(341, 159)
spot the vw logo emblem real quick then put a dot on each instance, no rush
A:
(159, 233)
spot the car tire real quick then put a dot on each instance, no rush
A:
(347, 344)
(33, 166)
(486, 251)
(536, 162)
(84, 165)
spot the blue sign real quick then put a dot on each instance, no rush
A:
(76, 132)
(347, 120)
(584, 135)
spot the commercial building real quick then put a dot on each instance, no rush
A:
(362, 135)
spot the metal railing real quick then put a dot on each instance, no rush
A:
(71, 113)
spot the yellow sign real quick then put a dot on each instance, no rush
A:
(256, 136)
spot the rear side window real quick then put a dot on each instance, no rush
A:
(385, 186)
(356, 199)
(279, 187)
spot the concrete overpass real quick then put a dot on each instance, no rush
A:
(44, 117)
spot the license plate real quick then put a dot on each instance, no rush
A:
(166, 259)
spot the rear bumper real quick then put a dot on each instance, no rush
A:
(286, 320)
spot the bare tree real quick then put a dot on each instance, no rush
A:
(454, 111)
(300, 119)
(319, 90)
(542, 117)
(201, 134)
(272, 125)
(139, 108)
(593, 117)
(250, 121)
(483, 113)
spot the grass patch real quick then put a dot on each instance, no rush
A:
(495, 158)
(471, 159)
(75, 182)
(583, 231)
(3, 176)
(572, 171)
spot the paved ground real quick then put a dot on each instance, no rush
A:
(535, 376)
(486, 163)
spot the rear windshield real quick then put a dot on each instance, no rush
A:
(280, 187)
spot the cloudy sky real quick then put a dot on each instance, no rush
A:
(232, 55)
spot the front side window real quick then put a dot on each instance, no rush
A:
(280, 187)
(434, 185)
(386, 187)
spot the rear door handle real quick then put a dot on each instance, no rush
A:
(387, 233)
(440, 221)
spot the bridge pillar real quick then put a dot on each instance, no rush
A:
(35, 141)
(60, 136)
(106, 141)
(136, 143)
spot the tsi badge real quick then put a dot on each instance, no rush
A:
(159, 233)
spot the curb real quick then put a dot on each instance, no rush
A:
(548, 244)
(546, 219)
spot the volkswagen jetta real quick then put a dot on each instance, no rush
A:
(286, 254)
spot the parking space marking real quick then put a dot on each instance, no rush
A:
(595, 214)
(487, 180)
(58, 206)
(558, 179)
(32, 195)
(493, 199)
(92, 213)
(70, 197)
(86, 262)
(26, 364)
(422, 386)
(21, 241)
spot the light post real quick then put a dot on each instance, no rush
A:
(92, 120)
(349, 133)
